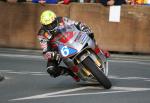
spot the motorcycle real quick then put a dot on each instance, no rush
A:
(79, 50)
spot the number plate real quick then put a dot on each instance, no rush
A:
(66, 51)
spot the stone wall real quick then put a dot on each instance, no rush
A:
(20, 24)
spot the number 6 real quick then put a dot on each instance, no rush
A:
(65, 51)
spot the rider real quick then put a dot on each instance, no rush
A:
(48, 31)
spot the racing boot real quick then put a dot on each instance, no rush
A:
(68, 71)
(75, 69)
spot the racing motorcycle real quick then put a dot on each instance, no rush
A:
(79, 50)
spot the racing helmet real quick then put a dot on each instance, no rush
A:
(47, 17)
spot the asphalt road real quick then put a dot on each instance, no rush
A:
(26, 81)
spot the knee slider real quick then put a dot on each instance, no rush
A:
(50, 70)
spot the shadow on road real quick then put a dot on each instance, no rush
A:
(1, 77)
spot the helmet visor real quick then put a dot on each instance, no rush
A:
(52, 25)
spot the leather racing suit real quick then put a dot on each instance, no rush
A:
(46, 35)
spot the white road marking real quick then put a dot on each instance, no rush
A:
(84, 94)
(62, 93)
(131, 61)
(54, 93)
(21, 56)
(23, 72)
(30, 73)
(5, 70)
(130, 88)
(40, 74)
(129, 78)
(26, 72)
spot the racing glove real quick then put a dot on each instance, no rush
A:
(52, 55)
(83, 27)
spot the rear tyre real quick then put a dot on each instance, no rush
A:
(97, 73)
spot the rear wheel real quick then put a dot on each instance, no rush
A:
(97, 73)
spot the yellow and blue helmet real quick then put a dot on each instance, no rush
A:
(47, 17)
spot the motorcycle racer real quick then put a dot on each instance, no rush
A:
(48, 31)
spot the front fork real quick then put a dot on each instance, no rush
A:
(78, 69)
(69, 63)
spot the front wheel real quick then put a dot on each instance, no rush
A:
(96, 72)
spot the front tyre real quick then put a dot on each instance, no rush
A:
(97, 73)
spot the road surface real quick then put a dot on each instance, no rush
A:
(26, 81)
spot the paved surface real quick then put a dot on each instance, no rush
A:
(27, 82)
